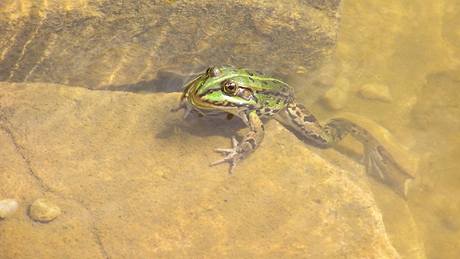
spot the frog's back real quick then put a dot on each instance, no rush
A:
(272, 94)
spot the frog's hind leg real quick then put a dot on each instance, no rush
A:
(381, 165)
(377, 160)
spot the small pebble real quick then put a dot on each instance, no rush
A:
(43, 210)
(377, 92)
(8, 207)
(336, 97)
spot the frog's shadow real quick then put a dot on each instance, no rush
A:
(202, 126)
(223, 126)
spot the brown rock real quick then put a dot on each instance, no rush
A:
(106, 45)
(379, 92)
(336, 97)
(44, 210)
(140, 174)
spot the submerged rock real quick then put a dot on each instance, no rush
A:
(136, 187)
(379, 92)
(336, 97)
(124, 45)
(43, 210)
(8, 207)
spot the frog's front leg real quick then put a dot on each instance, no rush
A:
(247, 145)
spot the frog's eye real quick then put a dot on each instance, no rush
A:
(213, 72)
(229, 87)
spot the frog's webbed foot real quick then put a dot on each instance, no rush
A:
(232, 155)
(380, 164)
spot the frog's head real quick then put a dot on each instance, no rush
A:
(222, 89)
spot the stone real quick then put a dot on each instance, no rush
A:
(100, 44)
(43, 210)
(336, 97)
(127, 177)
(373, 91)
(7, 208)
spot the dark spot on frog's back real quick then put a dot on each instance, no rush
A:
(298, 113)
(309, 118)
(301, 106)
(267, 109)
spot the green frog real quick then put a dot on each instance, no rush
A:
(252, 97)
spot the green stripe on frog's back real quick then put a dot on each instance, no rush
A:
(256, 81)
(268, 85)
(274, 88)
(274, 93)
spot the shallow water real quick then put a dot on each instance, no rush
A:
(412, 48)
(408, 48)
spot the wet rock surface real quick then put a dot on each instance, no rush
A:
(134, 181)
(100, 44)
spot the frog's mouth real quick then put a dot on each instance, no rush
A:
(209, 105)
(190, 87)
(191, 95)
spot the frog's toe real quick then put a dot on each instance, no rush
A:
(220, 161)
(231, 155)
(234, 142)
(230, 158)
(224, 150)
